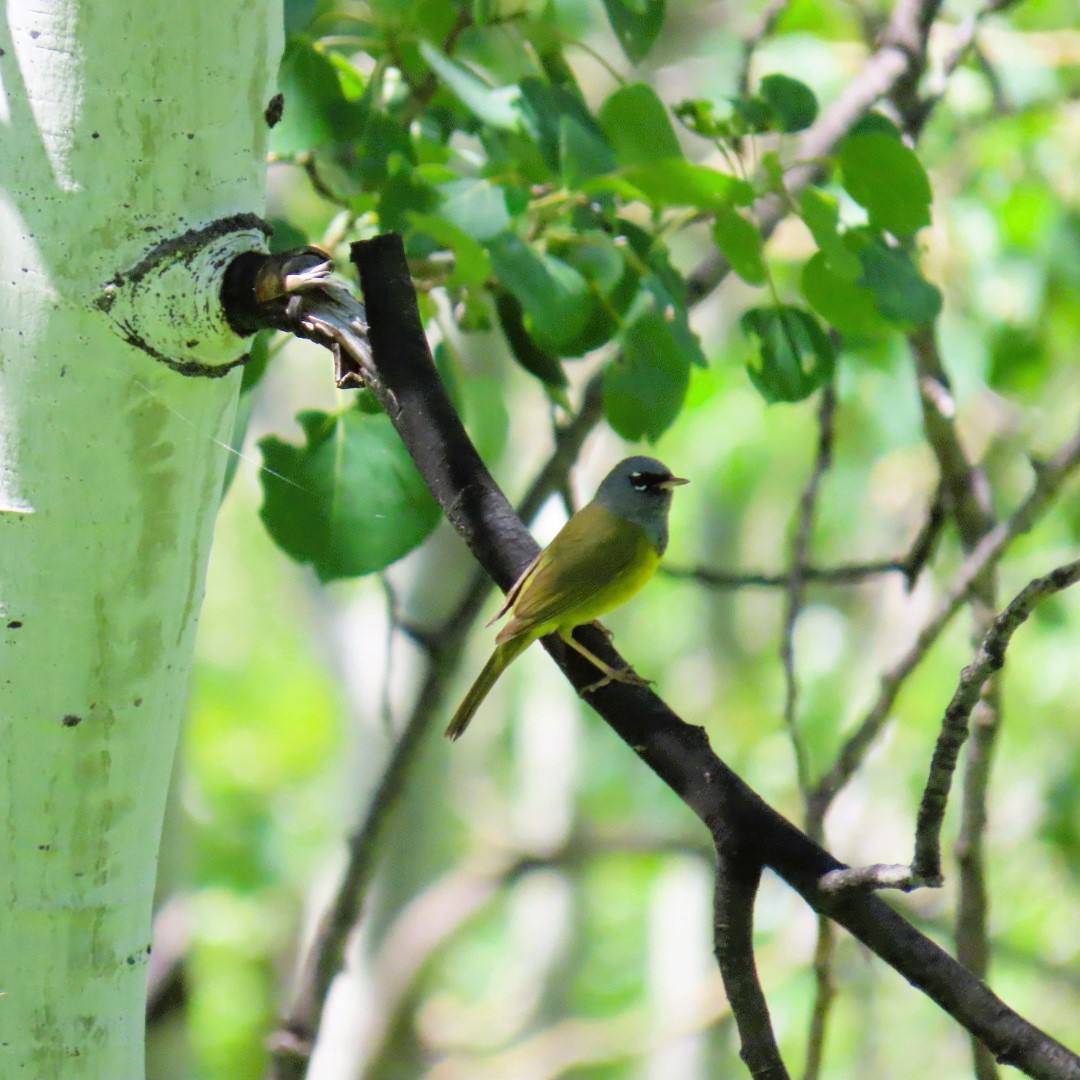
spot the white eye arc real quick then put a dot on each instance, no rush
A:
(648, 481)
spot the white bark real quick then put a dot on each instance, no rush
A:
(122, 123)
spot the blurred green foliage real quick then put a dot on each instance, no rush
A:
(558, 171)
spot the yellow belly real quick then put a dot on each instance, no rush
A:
(596, 563)
(616, 592)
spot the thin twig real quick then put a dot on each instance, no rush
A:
(925, 868)
(393, 624)
(848, 574)
(972, 909)
(968, 495)
(800, 552)
(926, 541)
(824, 993)
(954, 727)
(910, 565)
(965, 484)
(762, 29)
(1049, 478)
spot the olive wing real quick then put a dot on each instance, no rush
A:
(586, 563)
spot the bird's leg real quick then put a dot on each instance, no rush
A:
(602, 628)
(626, 675)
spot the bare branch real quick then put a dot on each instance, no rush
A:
(925, 868)
(1049, 478)
(965, 484)
(848, 574)
(763, 28)
(737, 881)
(824, 993)
(800, 551)
(968, 495)
(873, 876)
(910, 565)
(954, 726)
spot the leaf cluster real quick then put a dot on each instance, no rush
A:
(551, 216)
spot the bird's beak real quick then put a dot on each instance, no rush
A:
(672, 482)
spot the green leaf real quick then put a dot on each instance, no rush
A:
(476, 207)
(883, 175)
(900, 291)
(750, 115)
(741, 243)
(874, 123)
(584, 152)
(699, 116)
(350, 501)
(570, 139)
(637, 24)
(1019, 359)
(662, 291)
(533, 359)
(851, 308)
(352, 82)
(613, 284)
(595, 255)
(384, 137)
(638, 126)
(645, 388)
(554, 295)
(793, 103)
(317, 112)
(821, 212)
(498, 106)
(675, 182)
(794, 355)
(403, 193)
(472, 266)
(286, 235)
(258, 361)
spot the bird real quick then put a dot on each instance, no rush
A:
(599, 559)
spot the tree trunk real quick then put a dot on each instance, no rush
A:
(132, 138)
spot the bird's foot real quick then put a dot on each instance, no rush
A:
(626, 675)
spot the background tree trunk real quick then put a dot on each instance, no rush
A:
(124, 124)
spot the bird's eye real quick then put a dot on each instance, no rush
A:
(647, 481)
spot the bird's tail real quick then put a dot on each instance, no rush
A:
(505, 652)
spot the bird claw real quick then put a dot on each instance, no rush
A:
(627, 675)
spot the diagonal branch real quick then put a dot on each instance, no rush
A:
(677, 752)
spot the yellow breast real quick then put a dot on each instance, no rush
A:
(597, 562)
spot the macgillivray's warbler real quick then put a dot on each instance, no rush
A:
(600, 558)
